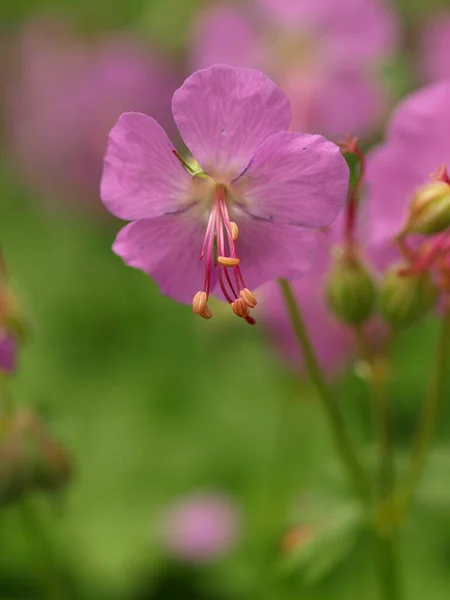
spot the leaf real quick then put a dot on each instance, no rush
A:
(329, 540)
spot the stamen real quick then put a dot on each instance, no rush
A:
(199, 302)
(240, 308)
(219, 251)
(248, 298)
(227, 261)
(206, 314)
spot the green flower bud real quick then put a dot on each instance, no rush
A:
(350, 290)
(429, 211)
(29, 458)
(12, 319)
(405, 299)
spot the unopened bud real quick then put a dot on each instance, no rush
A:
(429, 211)
(297, 537)
(8, 353)
(248, 298)
(404, 299)
(199, 302)
(240, 308)
(350, 290)
(228, 261)
(234, 230)
(29, 458)
(12, 319)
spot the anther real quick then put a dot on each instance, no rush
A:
(248, 298)
(234, 231)
(199, 302)
(227, 261)
(240, 308)
(206, 314)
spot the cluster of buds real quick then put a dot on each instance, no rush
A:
(412, 288)
(408, 290)
(13, 326)
(30, 459)
(350, 287)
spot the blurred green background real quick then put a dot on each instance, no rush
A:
(154, 405)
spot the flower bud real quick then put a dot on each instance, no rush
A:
(429, 211)
(350, 290)
(12, 319)
(29, 458)
(404, 299)
(8, 353)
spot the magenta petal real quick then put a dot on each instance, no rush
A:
(168, 249)
(435, 48)
(211, 36)
(348, 101)
(142, 178)
(8, 353)
(224, 113)
(417, 143)
(268, 251)
(295, 179)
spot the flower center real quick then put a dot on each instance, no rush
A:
(219, 251)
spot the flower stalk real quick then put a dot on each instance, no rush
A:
(343, 443)
(428, 419)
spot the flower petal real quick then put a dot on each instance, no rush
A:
(224, 113)
(166, 248)
(296, 179)
(211, 34)
(8, 353)
(394, 171)
(142, 178)
(268, 251)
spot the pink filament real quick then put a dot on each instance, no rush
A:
(219, 229)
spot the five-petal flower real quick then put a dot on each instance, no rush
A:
(249, 210)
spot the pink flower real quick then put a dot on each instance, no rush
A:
(7, 353)
(324, 54)
(201, 528)
(416, 145)
(434, 48)
(66, 96)
(250, 209)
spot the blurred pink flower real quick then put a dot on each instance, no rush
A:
(7, 353)
(276, 187)
(201, 528)
(323, 53)
(416, 145)
(332, 341)
(434, 48)
(65, 97)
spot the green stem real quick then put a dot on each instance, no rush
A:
(388, 580)
(377, 383)
(6, 399)
(385, 534)
(428, 420)
(342, 441)
(51, 581)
